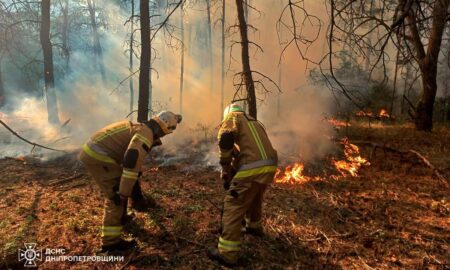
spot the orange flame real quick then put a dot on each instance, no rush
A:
(384, 113)
(292, 174)
(353, 160)
(338, 123)
(363, 113)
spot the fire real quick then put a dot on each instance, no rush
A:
(292, 174)
(353, 160)
(338, 123)
(363, 113)
(384, 113)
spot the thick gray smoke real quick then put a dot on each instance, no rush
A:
(298, 130)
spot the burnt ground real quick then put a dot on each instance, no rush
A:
(394, 215)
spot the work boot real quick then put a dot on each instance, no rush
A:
(122, 245)
(259, 232)
(214, 254)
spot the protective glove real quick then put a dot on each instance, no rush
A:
(118, 199)
(226, 176)
(157, 143)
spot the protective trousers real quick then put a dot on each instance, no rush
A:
(107, 177)
(243, 200)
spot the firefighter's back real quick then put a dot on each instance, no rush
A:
(253, 142)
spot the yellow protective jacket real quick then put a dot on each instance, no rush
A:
(125, 144)
(256, 157)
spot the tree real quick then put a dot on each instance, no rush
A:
(414, 27)
(182, 57)
(2, 87)
(246, 73)
(131, 56)
(65, 33)
(96, 39)
(49, 80)
(144, 73)
(222, 83)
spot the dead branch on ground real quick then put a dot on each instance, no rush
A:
(424, 160)
(27, 141)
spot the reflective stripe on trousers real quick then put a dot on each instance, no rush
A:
(226, 245)
(111, 230)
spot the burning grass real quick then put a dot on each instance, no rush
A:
(394, 215)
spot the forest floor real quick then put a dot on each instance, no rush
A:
(394, 215)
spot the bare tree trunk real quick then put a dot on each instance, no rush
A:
(144, 73)
(65, 34)
(369, 40)
(182, 57)
(246, 70)
(405, 88)
(428, 62)
(222, 86)
(210, 50)
(394, 87)
(131, 58)
(2, 87)
(49, 80)
(97, 47)
(279, 93)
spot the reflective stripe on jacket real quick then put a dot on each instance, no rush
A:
(111, 143)
(256, 154)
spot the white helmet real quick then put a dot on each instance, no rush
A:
(167, 121)
(233, 107)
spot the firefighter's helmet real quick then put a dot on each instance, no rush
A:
(233, 107)
(167, 121)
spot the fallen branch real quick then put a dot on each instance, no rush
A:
(27, 141)
(130, 259)
(71, 186)
(436, 171)
(192, 242)
(67, 179)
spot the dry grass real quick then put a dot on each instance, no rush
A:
(395, 215)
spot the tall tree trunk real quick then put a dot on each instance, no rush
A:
(182, 57)
(131, 58)
(96, 39)
(394, 87)
(52, 108)
(210, 49)
(222, 84)
(428, 62)
(2, 87)
(65, 35)
(405, 88)
(369, 40)
(246, 70)
(144, 73)
(279, 93)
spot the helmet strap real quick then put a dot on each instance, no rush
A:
(161, 125)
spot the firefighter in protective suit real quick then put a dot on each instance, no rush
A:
(114, 156)
(256, 165)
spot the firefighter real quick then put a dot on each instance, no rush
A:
(114, 156)
(256, 166)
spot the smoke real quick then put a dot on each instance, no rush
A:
(298, 130)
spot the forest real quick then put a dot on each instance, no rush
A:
(353, 96)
